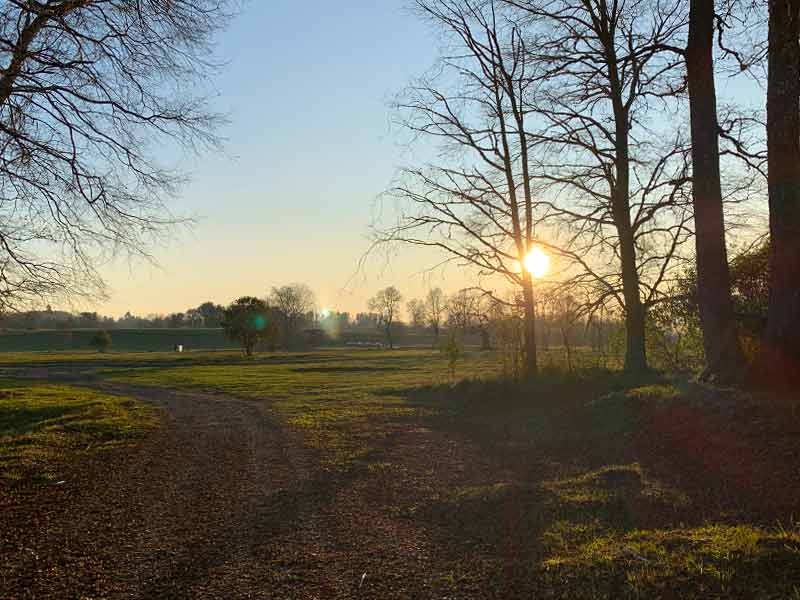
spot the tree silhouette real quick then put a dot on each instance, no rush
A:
(386, 303)
(294, 303)
(247, 322)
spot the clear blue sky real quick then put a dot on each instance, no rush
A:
(307, 87)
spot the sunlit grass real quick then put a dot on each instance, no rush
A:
(343, 401)
(715, 560)
(41, 424)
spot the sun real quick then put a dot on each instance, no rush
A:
(537, 263)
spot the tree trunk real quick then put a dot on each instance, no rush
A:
(568, 348)
(531, 363)
(635, 353)
(486, 341)
(389, 336)
(783, 144)
(724, 358)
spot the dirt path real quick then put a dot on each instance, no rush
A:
(178, 516)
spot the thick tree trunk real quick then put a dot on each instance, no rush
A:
(783, 143)
(568, 348)
(635, 351)
(724, 358)
(531, 363)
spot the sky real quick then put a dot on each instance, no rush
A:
(308, 150)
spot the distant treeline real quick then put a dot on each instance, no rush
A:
(206, 316)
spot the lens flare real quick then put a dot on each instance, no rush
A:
(537, 263)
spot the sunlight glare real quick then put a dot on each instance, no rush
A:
(537, 263)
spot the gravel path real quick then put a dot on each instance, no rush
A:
(178, 516)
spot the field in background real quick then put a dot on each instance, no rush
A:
(124, 340)
(163, 340)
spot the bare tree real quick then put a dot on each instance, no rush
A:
(724, 357)
(435, 309)
(567, 314)
(386, 303)
(416, 313)
(294, 302)
(783, 135)
(88, 88)
(478, 205)
(461, 311)
(488, 315)
(617, 181)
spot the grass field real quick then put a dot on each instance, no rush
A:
(584, 485)
(44, 425)
(123, 340)
(164, 340)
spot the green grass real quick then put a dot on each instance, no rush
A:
(346, 401)
(713, 561)
(11, 359)
(342, 401)
(127, 340)
(42, 425)
(542, 485)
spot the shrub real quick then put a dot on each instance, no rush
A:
(452, 351)
(101, 341)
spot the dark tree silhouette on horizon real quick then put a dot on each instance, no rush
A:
(248, 322)
(294, 303)
(386, 304)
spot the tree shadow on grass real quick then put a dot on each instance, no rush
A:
(16, 420)
(598, 524)
(606, 534)
(557, 410)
